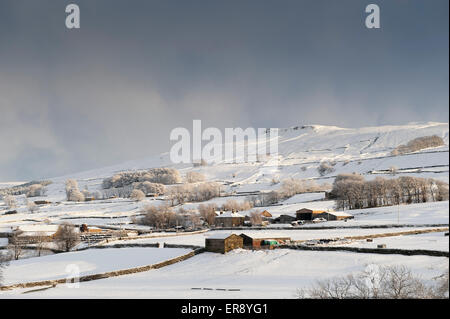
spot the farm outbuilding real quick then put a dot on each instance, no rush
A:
(308, 214)
(335, 216)
(256, 243)
(229, 219)
(223, 243)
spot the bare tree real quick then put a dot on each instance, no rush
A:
(15, 245)
(35, 190)
(255, 218)
(32, 207)
(234, 205)
(208, 212)
(72, 191)
(325, 168)
(10, 201)
(4, 262)
(40, 240)
(67, 236)
(158, 216)
(195, 177)
(137, 195)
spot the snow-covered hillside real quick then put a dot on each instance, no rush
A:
(301, 149)
(256, 274)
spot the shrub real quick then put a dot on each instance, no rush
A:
(195, 177)
(137, 195)
(325, 168)
(418, 144)
(10, 201)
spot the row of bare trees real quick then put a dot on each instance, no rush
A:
(352, 191)
(166, 176)
(378, 282)
(164, 216)
(418, 144)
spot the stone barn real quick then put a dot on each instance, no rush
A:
(229, 219)
(256, 243)
(335, 216)
(308, 214)
(223, 243)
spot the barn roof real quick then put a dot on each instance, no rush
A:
(220, 236)
(229, 214)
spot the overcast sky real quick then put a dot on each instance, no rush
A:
(113, 90)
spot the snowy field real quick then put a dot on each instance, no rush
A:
(259, 274)
(428, 241)
(91, 261)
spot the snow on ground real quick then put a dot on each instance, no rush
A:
(428, 241)
(92, 261)
(258, 274)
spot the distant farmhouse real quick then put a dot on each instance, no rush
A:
(309, 215)
(223, 243)
(229, 219)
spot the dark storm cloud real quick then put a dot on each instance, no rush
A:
(114, 89)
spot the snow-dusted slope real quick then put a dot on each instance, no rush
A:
(301, 149)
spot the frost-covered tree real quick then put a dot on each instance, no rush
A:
(195, 177)
(32, 207)
(137, 195)
(67, 237)
(35, 190)
(10, 201)
(325, 168)
(208, 212)
(72, 192)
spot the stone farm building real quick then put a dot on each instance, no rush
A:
(335, 216)
(309, 214)
(223, 243)
(256, 243)
(229, 219)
